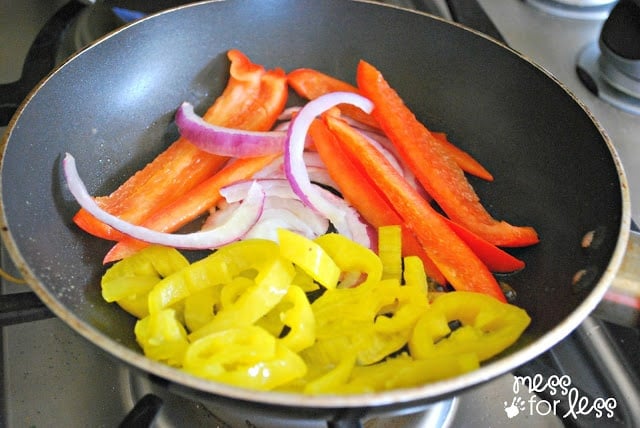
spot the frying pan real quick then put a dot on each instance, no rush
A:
(112, 107)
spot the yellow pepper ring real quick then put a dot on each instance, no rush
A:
(252, 325)
(310, 257)
(488, 326)
(218, 268)
(300, 320)
(351, 256)
(247, 356)
(129, 281)
(271, 284)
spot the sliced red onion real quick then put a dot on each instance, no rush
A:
(295, 168)
(271, 186)
(282, 127)
(281, 197)
(270, 170)
(279, 212)
(321, 176)
(317, 174)
(226, 141)
(311, 224)
(351, 224)
(288, 113)
(289, 214)
(235, 228)
(276, 168)
(313, 159)
(220, 214)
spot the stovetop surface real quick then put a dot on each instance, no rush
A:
(53, 377)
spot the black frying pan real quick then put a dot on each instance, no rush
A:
(112, 107)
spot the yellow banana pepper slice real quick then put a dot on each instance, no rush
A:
(242, 316)
(369, 321)
(201, 307)
(310, 257)
(258, 298)
(332, 380)
(488, 326)
(404, 371)
(245, 356)
(162, 337)
(390, 251)
(129, 281)
(292, 320)
(414, 274)
(351, 256)
(218, 268)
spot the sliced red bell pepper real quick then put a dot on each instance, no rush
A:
(363, 195)
(357, 189)
(146, 190)
(496, 259)
(453, 257)
(192, 204)
(464, 160)
(252, 99)
(438, 173)
(310, 84)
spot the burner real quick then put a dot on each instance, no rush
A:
(575, 9)
(90, 24)
(610, 68)
(175, 410)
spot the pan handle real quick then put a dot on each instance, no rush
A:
(471, 14)
(597, 367)
(621, 303)
(22, 307)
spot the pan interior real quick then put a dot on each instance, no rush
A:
(112, 107)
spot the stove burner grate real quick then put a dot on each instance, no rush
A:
(171, 409)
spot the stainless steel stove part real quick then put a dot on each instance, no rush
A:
(610, 66)
(598, 76)
(620, 45)
(177, 410)
(41, 56)
(575, 9)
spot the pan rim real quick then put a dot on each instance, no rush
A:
(432, 391)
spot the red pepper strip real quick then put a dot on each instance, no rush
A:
(252, 99)
(133, 206)
(310, 84)
(496, 259)
(457, 262)
(463, 159)
(363, 195)
(441, 177)
(191, 205)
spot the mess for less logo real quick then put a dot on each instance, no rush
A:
(562, 387)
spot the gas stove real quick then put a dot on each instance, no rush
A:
(50, 376)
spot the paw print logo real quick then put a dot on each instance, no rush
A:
(512, 410)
